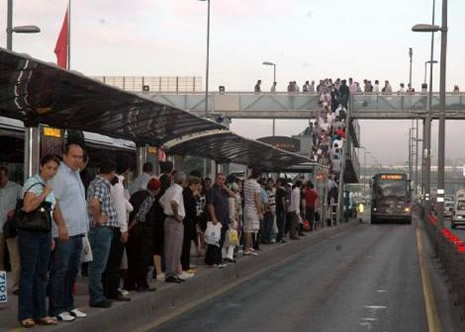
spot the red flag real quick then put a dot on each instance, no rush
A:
(61, 48)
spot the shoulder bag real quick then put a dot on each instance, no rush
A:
(39, 220)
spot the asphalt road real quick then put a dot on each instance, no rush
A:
(366, 279)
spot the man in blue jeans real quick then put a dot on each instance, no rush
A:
(71, 223)
(103, 219)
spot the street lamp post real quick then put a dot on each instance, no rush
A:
(410, 54)
(426, 63)
(207, 73)
(31, 134)
(442, 115)
(427, 128)
(19, 29)
(268, 63)
(442, 98)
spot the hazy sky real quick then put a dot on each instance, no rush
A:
(308, 39)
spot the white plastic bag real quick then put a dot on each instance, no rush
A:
(86, 253)
(213, 233)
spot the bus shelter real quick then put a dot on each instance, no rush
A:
(39, 93)
(226, 147)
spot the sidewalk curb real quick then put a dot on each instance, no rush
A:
(146, 308)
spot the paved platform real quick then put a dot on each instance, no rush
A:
(170, 299)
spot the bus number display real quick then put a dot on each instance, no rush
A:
(391, 177)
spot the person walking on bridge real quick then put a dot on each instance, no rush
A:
(257, 89)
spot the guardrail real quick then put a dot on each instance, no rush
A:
(451, 252)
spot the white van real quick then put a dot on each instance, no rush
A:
(458, 218)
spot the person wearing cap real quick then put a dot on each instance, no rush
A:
(139, 247)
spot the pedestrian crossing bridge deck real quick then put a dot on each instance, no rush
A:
(303, 106)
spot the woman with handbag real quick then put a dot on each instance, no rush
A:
(35, 244)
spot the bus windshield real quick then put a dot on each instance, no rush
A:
(391, 188)
(461, 205)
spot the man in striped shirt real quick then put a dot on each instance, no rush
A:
(252, 210)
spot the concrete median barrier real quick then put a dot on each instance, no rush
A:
(450, 251)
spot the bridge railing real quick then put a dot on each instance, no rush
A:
(405, 102)
(238, 101)
(354, 159)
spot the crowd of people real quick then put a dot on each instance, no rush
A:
(369, 87)
(328, 130)
(113, 231)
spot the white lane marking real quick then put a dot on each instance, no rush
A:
(369, 319)
(375, 307)
(382, 291)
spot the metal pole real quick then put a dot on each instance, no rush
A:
(208, 60)
(426, 63)
(274, 80)
(9, 26)
(410, 53)
(423, 164)
(69, 36)
(31, 151)
(410, 163)
(442, 113)
(364, 172)
(427, 142)
(416, 159)
(274, 73)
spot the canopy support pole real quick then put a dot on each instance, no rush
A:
(31, 151)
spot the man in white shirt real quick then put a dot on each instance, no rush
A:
(311, 88)
(140, 183)
(294, 210)
(172, 202)
(9, 193)
(336, 164)
(376, 87)
(401, 89)
(324, 125)
(111, 275)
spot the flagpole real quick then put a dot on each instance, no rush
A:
(69, 36)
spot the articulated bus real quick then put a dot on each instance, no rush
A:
(391, 198)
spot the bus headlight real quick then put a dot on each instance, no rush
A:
(407, 209)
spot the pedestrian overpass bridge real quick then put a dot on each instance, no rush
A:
(247, 105)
